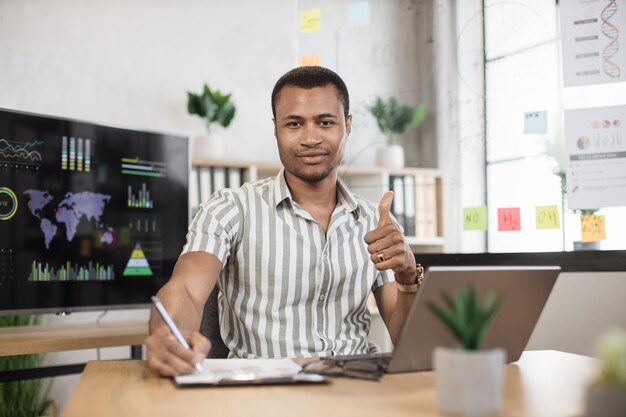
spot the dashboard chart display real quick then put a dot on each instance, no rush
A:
(91, 216)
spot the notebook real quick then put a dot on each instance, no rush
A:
(524, 289)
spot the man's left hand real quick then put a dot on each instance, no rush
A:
(387, 247)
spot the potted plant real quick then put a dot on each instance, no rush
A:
(218, 110)
(25, 398)
(469, 380)
(607, 395)
(393, 119)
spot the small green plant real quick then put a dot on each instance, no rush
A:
(211, 105)
(25, 398)
(393, 118)
(611, 350)
(465, 317)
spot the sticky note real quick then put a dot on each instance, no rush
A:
(358, 14)
(475, 218)
(592, 228)
(310, 20)
(535, 122)
(509, 219)
(547, 217)
(309, 60)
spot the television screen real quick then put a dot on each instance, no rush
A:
(91, 217)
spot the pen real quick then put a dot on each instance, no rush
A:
(172, 326)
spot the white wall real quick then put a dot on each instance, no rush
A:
(130, 63)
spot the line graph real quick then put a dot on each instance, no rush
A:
(23, 153)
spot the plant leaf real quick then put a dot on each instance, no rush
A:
(419, 112)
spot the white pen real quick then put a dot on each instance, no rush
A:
(172, 326)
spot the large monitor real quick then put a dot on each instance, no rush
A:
(91, 217)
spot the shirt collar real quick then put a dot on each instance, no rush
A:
(345, 196)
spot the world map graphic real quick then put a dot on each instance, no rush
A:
(69, 212)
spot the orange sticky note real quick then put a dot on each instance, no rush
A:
(310, 20)
(592, 228)
(309, 60)
(509, 219)
(547, 217)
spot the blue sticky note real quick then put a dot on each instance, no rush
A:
(535, 122)
(358, 14)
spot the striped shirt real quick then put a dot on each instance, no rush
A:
(287, 288)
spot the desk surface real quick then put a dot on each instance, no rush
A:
(541, 384)
(60, 337)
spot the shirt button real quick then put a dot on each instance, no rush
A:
(322, 297)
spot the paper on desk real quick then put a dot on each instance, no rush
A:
(217, 370)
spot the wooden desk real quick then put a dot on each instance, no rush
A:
(541, 384)
(61, 337)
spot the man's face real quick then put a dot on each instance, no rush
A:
(311, 131)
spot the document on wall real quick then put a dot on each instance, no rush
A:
(596, 147)
(248, 372)
(592, 33)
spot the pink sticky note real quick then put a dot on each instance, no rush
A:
(509, 219)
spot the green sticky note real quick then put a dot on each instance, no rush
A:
(547, 217)
(475, 218)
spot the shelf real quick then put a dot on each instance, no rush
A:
(24, 340)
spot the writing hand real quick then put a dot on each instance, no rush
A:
(167, 357)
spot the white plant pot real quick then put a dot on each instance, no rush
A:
(605, 401)
(390, 156)
(208, 146)
(469, 382)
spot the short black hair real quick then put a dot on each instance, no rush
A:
(310, 77)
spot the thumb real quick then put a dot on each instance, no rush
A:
(384, 207)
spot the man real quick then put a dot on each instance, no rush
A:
(295, 256)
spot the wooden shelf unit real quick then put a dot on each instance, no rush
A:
(369, 182)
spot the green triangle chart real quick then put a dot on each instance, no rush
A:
(137, 264)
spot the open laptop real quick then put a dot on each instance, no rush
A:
(524, 290)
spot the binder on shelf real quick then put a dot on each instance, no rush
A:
(234, 177)
(206, 188)
(420, 208)
(397, 206)
(431, 207)
(219, 178)
(194, 190)
(409, 205)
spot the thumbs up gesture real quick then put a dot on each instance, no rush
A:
(387, 246)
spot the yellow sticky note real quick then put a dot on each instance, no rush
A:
(475, 218)
(309, 60)
(592, 228)
(310, 20)
(547, 217)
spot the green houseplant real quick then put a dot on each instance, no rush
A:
(216, 109)
(468, 380)
(393, 119)
(25, 398)
(607, 396)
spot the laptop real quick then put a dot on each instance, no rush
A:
(524, 291)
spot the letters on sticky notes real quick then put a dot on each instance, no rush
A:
(547, 217)
(475, 218)
(592, 228)
(310, 20)
(509, 219)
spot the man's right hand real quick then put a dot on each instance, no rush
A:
(167, 357)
